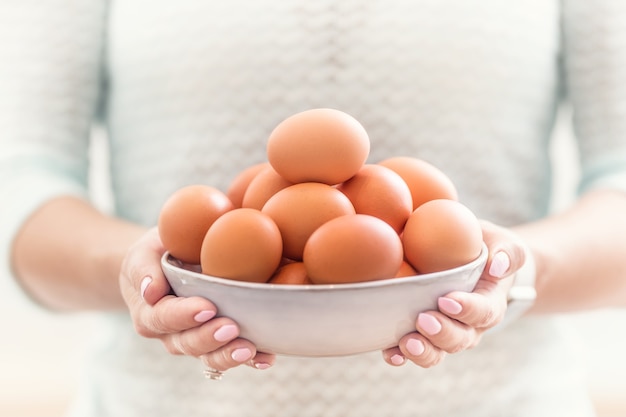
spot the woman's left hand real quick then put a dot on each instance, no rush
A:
(463, 317)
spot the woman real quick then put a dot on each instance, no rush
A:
(189, 92)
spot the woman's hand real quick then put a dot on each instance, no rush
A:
(463, 317)
(185, 325)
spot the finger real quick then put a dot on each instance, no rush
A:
(199, 340)
(445, 333)
(483, 308)
(394, 356)
(172, 314)
(235, 353)
(420, 351)
(262, 360)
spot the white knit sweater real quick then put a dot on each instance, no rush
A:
(189, 91)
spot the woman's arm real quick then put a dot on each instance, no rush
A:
(68, 255)
(580, 264)
(580, 254)
(52, 57)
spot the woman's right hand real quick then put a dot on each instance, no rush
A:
(185, 325)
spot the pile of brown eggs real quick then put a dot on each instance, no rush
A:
(317, 213)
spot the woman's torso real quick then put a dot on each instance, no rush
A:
(195, 88)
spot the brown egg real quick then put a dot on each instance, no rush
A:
(239, 185)
(300, 209)
(406, 270)
(425, 181)
(293, 273)
(186, 216)
(441, 234)
(379, 192)
(264, 185)
(243, 244)
(352, 248)
(318, 145)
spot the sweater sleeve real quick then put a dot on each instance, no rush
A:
(594, 35)
(51, 55)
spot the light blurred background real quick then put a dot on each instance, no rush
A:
(41, 352)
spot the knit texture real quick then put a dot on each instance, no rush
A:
(189, 92)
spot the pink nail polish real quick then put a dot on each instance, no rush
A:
(262, 365)
(397, 359)
(415, 347)
(144, 285)
(226, 333)
(429, 324)
(500, 263)
(448, 305)
(204, 316)
(241, 354)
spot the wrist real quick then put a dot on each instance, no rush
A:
(107, 254)
(523, 293)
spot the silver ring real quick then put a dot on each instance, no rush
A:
(214, 374)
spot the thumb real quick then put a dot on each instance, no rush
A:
(506, 251)
(141, 276)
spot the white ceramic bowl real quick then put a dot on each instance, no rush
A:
(323, 320)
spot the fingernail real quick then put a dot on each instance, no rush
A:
(415, 347)
(225, 333)
(241, 354)
(428, 323)
(448, 305)
(262, 365)
(397, 359)
(500, 263)
(204, 315)
(144, 285)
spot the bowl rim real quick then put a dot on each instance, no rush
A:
(421, 278)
